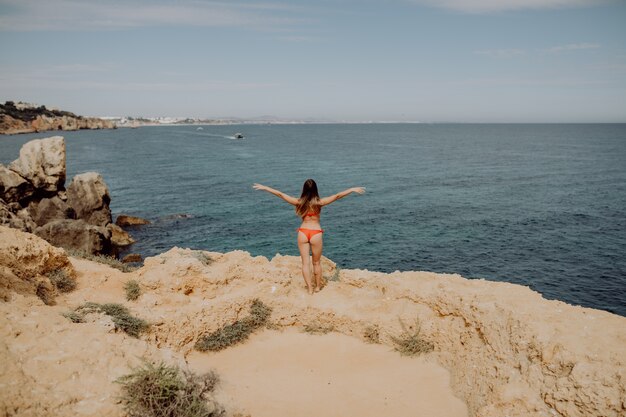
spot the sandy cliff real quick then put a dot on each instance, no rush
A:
(500, 348)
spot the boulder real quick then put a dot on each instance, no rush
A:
(124, 221)
(132, 258)
(25, 260)
(76, 235)
(89, 196)
(13, 187)
(42, 162)
(49, 209)
(119, 237)
(18, 220)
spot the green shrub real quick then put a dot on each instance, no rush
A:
(120, 316)
(237, 332)
(133, 291)
(103, 259)
(410, 343)
(165, 391)
(62, 281)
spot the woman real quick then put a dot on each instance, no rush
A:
(309, 207)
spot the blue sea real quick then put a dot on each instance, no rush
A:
(537, 205)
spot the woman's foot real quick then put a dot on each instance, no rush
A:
(317, 289)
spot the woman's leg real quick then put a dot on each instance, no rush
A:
(316, 251)
(303, 246)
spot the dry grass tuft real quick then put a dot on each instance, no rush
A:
(237, 332)
(317, 328)
(103, 259)
(372, 334)
(62, 281)
(45, 293)
(74, 317)
(335, 276)
(166, 391)
(120, 316)
(133, 290)
(203, 257)
(410, 343)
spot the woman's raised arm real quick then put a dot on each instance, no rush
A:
(327, 200)
(291, 200)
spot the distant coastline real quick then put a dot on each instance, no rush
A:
(16, 118)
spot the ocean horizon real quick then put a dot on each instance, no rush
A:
(542, 205)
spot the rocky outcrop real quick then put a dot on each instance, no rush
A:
(76, 235)
(42, 163)
(33, 199)
(21, 118)
(124, 221)
(132, 258)
(14, 187)
(25, 262)
(119, 237)
(47, 210)
(89, 196)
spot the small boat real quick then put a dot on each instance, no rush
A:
(238, 136)
(200, 128)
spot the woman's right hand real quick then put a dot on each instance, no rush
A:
(360, 190)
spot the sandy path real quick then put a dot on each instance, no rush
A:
(290, 373)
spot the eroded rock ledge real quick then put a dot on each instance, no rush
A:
(509, 351)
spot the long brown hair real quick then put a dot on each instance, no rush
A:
(309, 199)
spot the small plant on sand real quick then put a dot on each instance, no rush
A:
(335, 276)
(410, 343)
(166, 391)
(318, 328)
(103, 259)
(133, 291)
(203, 257)
(372, 334)
(62, 281)
(237, 332)
(120, 316)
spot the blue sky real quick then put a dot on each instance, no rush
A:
(402, 60)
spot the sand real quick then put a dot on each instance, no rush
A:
(288, 373)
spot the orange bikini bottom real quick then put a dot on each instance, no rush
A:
(309, 233)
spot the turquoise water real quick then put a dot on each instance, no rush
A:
(538, 205)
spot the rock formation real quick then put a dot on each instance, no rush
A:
(22, 118)
(42, 163)
(25, 262)
(125, 221)
(33, 199)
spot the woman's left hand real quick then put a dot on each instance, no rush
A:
(259, 187)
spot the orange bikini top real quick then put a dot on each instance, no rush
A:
(311, 214)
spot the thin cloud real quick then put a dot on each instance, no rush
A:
(501, 53)
(35, 15)
(572, 47)
(489, 6)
